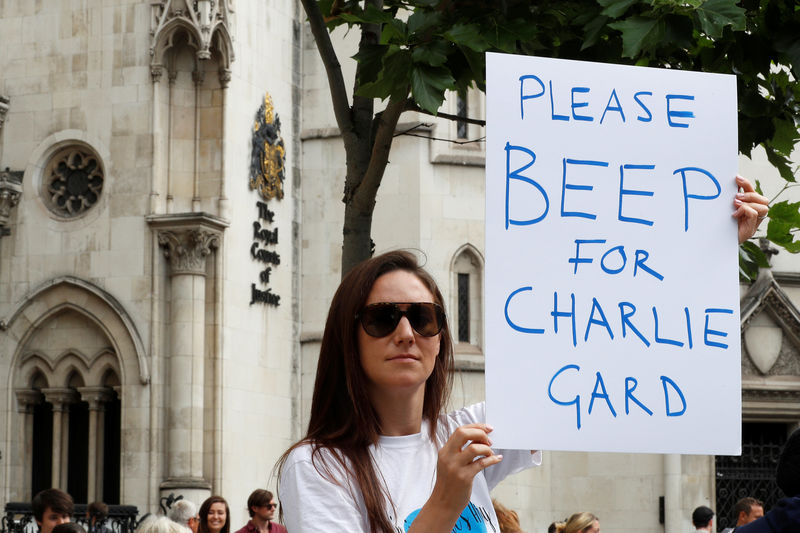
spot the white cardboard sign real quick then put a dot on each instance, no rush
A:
(611, 287)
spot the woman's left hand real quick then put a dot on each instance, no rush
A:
(751, 208)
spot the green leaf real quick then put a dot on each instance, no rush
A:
(468, 35)
(714, 15)
(592, 31)
(433, 53)
(784, 220)
(428, 85)
(393, 79)
(786, 136)
(422, 21)
(394, 32)
(371, 15)
(615, 8)
(780, 162)
(638, 34)
(751, 258)
(370, 60)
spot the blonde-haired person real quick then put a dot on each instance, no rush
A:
(161, 524)
(507, 519)
(579, 523)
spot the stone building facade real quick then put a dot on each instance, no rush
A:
(164, 285)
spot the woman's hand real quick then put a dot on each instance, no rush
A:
(751, 209)
(465, 453)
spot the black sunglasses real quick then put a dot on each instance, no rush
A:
(380, 319)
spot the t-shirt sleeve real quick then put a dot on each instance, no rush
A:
(514, 461)
(311, 502)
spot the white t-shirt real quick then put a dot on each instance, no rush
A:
(407, 466)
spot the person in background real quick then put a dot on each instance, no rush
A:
(745, 511)
(784, 517)
(160, 524)
(184, 512)
(96, 515)
(703, 519)
(579, 523)
(261, 506)
(69, 527)
(508, 519)
(52, 507)
(214, 516)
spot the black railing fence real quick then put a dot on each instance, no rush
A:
(18, 518)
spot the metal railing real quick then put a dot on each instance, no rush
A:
(18, 518)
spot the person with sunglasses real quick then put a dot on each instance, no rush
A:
(379, 455)
(261, 506)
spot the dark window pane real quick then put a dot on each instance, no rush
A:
(463, 308)
(461, 112)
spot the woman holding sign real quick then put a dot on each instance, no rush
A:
(379, 455)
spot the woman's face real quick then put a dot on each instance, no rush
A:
(217, 517)
(594, 528)
(403, 359)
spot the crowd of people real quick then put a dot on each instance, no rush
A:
(53, 510)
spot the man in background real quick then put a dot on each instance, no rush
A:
(702, 518)
(746, 510)
(184, 512)
(52, 507)
(261, 506)
(784, 517)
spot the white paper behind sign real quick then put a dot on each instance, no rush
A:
(612, 304)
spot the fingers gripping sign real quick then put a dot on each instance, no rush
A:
(466, 452)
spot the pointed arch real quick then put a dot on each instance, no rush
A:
(89, 300)
(466, 298)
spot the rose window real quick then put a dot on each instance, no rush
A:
(73, 181)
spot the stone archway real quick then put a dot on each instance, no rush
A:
(76, 358)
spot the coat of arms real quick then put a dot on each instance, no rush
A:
(266, 160)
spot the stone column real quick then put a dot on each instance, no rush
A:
(673, 515)
(187, 239)
(60, 398)
(27, 399)
(95, 397)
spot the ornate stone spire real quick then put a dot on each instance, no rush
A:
(202, 20)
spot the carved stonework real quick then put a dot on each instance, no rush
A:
(156, 72)
(770, 325)
(187, 249)
(202, 19)
(60, 397)
(96, 396)
(4, 101)
(10, 191)
(27, 399)
(224, 77)
(73, 181)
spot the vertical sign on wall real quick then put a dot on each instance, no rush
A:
(266, 176)
(612, 303)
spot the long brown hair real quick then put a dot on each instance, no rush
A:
(343, 420)
(202, 527)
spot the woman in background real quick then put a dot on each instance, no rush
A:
(214, 516)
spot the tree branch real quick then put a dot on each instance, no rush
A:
(364, 197)
(411, 106)
(333, 69)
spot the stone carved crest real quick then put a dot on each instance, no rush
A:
(267, 156)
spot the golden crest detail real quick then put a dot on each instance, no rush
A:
(268, 153)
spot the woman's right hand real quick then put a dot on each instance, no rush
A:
(465, 453)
